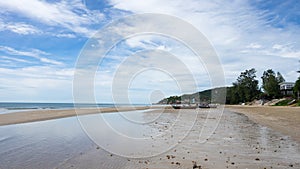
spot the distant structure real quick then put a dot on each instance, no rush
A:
(286, 88)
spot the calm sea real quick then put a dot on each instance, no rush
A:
(8, 107)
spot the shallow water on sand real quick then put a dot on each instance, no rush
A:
(236, 143)
(47, 144)
(41, 144)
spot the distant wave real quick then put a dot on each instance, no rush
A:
(9, 107)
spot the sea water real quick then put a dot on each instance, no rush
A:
(9, 107)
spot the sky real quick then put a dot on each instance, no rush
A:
(42, 41)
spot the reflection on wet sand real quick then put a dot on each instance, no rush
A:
(236, 143)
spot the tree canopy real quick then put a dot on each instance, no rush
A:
(271, 83)
(297, 88)
(245, 88)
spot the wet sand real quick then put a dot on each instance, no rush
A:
(237, 142)
(283, 119)
(40, 115)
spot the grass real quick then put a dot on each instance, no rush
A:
(283, 102)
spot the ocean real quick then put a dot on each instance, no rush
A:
(9, 107)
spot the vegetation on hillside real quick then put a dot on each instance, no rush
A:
(203, 96)
(244, 89)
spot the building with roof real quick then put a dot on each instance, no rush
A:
(286, 88)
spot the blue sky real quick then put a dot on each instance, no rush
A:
(41, 41)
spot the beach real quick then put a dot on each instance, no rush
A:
(40, 115)
(207, 138)
(280, 118)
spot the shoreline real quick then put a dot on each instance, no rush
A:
(42, 115)
(234, 141)
(279, 118)
(283, 119)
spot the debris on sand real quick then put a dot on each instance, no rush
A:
(195, 166)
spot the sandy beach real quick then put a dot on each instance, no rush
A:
(283, 119)
(237, 142)
(40, 115)
(243, 137)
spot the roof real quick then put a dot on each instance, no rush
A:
(284, 83)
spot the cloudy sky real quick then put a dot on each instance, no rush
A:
(42, 40)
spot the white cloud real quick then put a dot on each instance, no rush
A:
(146, 71)
(45, 60)
(19, 28)
(65, 35)
(27, 29)
(242, 35)
(36, 84)
(278, 47)
(6, 58)
(254, 46)
(286, 51)
(72, 15)
(34, 53)
(38, 72)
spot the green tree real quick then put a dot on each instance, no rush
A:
(245, 88)
(173, 99)
(297, 88)
(280, 78)
(233, 96)
(271, 83)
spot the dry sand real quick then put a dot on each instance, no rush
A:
(40, 115)
(283, 119)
